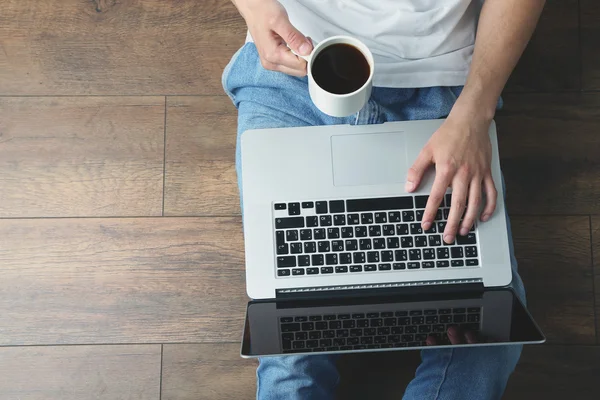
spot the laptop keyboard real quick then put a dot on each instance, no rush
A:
(375, 330)
(365, 236)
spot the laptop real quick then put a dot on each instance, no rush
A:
(337, 261)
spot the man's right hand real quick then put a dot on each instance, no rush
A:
(272, 33)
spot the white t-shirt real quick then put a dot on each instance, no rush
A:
(415, 43)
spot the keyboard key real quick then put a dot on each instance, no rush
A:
(370, 267)
(415, 313)
(335, 324)
(286, 320)
(414, 265)
(446, 213)
(421, 241)
(365, 244)
(319, 234)
(402, 229)
(380, 217)
(415, 229)
(358, 257)
(379, 243)
(303, 261)
(406, 242)
(308, 204)
(312, 271)
(373, 256)
(404, 321)
(324, 246)
(325, 220)
(310, 247)
(336, 206)
(421, 201)
(283, 272)
(333, 233)
(289, 223)
(459, 319)
(376, 322)
(326, 342)
(448, 199)
(283, 249)
(360, 231)
(339, 219)
(286, 262)
(280, 206)
(345, 258)
(327, 270)
(472, 310)
(366, 218)
(380, 204)
(331, 259)
(349, 324)
(457, 263)
(430, 312)
(435, 240)
(469, 239)
(428, 254)
(431, 319)
(473, 317)
(457, 252)
(362, 323)
(394, 216)
(471, 252)
(341, 269)
(443, 253)
(442, 264)
(347, 232)
(291, 327)
(399, 266)
(311, 344)
(317, 259)
(296, 248)
(385, 267)
(428, 264)
(351, 245)
(401, 255)
(393, 243)
(321, 325)
(294, 209)
(439, 328)
(312, 221)
(473, 262)
(389, 230)
(387, 256)
(356, 268)
(441, 226)
(353, 219)
(419, 214)
(414, 254)
(374, 230)
(444, 311)
(279, 238)
(298, 271)
(408, 216)
(301, 335)
(459, 310)
(306, 234)
(432, 229)
(321, 207)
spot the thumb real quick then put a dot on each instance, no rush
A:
(293, 37)
(416, 172)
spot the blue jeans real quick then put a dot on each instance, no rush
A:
(266, 99)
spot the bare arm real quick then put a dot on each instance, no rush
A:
(461, 148)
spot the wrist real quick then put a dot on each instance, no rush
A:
(475, 107)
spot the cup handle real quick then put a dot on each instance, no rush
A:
(308, 57)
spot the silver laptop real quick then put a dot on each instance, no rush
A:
(337, 261)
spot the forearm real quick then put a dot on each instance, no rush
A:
(505, 28)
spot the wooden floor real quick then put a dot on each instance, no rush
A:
(121, 254)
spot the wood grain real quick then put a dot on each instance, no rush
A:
(556, 373)
(207, 371)
(595, 223)
(80, 373)
(549, 146)
(138, 280)
(590, 43)
(551, 61)
(76, 47)
(554, 259)
(72, 157)
(200, 157)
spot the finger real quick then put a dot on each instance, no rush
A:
(443, 177)
(290, 71)
(471, 338)
(290, 61)
(416, 172)
(491, 197)
(292, 36)
(457, 207)
(472, 206)
(454, 335)
(431, 341)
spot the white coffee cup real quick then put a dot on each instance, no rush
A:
(339, 105)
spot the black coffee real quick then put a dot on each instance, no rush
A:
(341, 69)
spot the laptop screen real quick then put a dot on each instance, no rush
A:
(490, 317)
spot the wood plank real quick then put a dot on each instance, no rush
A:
(590, 43)
(551, 61)
(200, 158)
(549, 146)
(207, 371)
(72, 156)
(75, 47)
(554, 259)
(80, 372)
(137, 280)
(556, 372)
(596, 259)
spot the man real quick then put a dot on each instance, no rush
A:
(434, 59)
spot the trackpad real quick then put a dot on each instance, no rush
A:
(369, 159)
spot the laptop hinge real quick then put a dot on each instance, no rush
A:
(380, 288)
